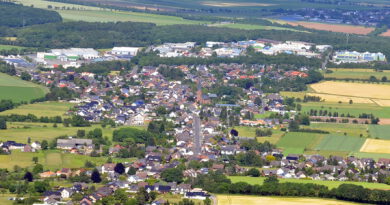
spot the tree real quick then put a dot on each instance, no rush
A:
(172, 175)
(258, 101)
(38, 168)
(253, 172)
(132, 171)
(80, 133)
(384, 79)
(119, 168)
(28, 177)
(207, 201)
(35, 160)
(3, 124)
(44, 144)
(95, 176)
(142, 196)
(25, 76)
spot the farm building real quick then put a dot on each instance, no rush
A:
(73, 143)
(357, 57)
(125, 51)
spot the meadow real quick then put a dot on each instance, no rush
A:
(246, 131)
(298, 142)
(380, 131)
(248, 199)
(9, 47)
(51, 159)
(364, 74)
(346, 108)
(339, 129)
(330, 184)
(21, 131)
(47, 109)
(17, 90)
(252, 27)
(340, 143)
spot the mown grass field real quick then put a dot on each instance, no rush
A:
(252, 27)
(298, 142)
(21, 131)
(9, 47)
(12, 88)
(364, 74)
(330, 184)
(52, 160)
(257, 200)
(341, 143)
(380, 131)
(49, 109)
(246, 131)
(339, 129)
(346, 108)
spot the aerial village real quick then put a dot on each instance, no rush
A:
(199, 127)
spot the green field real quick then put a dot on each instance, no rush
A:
(52, 160)
(21, 131)
(49, 109)
(252, 27)
(375, 156)
(340, 129)
(9, 47)
(12, 88)
(330, 184)
(341, 143)
(298, 142)
(344, 108)
(246, 131)
(380, 131)
(341, 73)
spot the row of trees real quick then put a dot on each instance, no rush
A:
(219, 183)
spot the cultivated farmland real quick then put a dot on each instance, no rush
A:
(297, 142)
(12, 88)
(333, 27)
(380, 131)
(340, 143)
(376, 146)
(330, 184)
(243, 200)
(378, 91)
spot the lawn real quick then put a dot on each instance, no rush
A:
(13, 88)
(330, 184)
(299, 142)
(345, 108)
(344, 73)
(52, 159)
(4, 199)
(380, 131)
(21, 131)
(257, 200)
(341, 143)
(246, 131)
(49, 109)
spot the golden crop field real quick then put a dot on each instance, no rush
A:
(338, 98)
(363, 90)
(380, 102)
(244, 200)
(376, 146)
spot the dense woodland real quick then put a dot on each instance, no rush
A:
(14, 15)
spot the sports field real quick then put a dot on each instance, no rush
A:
(297, 142)
(330, 184)
(49, 109)
(376, 146)
(12, 88)
(245, 200)
(343, 73)
(380, 131)
(364, 90)
(340, 143)
(52, 160)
